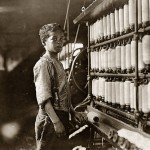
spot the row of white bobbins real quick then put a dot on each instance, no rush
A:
(122, 93)
(122, 56)
(120, 20)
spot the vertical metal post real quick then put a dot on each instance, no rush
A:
(68, 36)
(89, 64)
(136, 57)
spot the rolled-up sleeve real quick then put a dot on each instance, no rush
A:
(43, 81)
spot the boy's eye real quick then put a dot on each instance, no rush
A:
(61, 39)
(54, 39)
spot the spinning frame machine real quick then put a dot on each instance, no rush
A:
(118, 70)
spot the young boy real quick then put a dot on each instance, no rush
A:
(52, 92)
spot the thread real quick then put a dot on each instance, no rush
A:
(106, 91)
(146, 49)
(78, 131)
(98, 33)
(104, 26)
(113, 59)
(122, 97)
(96, 88)
(109, 92)
(97, 60)
(101, 28)
(112, 23)
(123, 57)
(94, 32)
(103, 87)
(117, 21)
(135, 97)
(140, 97)
(93, 87)
(117, 85)
(113, 93)
(109, 58)
(99, 57)
(91, 33)
(127, 92)
(91, 59)
(132, 96)
(133, 49)
(132, 13)
(145, 11)
(121, 20)
(128, 56)
(145, 108)
(118, 57)
(100, 87)
(102, 58)
(97, 30)
(93, 117)
(126, 16)
(139, 12)
(140, 56)
(106, 60)
(108, 25)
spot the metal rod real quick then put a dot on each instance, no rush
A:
(130, 116)
(114, 40)
(111, 75)
(89, 63)
(136, 55)
(75, 40)
(121, 37)
(119, 75)
(97, 9)
(68, 5)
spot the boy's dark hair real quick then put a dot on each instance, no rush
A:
(47, 29)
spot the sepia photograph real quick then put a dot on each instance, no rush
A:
(74, 74)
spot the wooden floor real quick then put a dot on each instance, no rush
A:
(26, 140)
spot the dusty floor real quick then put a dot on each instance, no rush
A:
(26, 141)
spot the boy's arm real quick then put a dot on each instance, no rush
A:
(77, 116)
(58, 126)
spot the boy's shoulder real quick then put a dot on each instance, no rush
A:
(43, 61)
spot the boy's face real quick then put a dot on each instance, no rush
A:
(55, 42)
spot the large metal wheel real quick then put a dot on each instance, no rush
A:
(78, 78)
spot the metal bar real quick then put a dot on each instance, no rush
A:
(97, 9)
(119, 75)
(121, 37)
(103, 130)
(114, 40)
(115, 123)
(136, 55)
(111, 75)
(89, 63)
(84, 15)
(130, 116)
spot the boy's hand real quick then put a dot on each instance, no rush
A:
(79, 117)
(59, 129)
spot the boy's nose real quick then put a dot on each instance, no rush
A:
(59, 41)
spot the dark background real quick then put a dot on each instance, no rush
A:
(20, 21)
